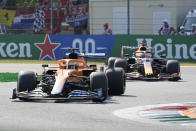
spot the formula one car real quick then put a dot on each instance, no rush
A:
(73, 78)
(144, 65)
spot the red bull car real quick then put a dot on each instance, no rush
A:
(72, 79)
(144, 65)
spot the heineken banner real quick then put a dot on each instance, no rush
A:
(51, 47)
(182, 48)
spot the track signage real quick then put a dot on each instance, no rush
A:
(172, 47)
(51, 47)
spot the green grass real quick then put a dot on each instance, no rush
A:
(28, 61)
(11, 77)
(187, 64)
(8, 77)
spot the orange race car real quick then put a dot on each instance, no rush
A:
(73, 78)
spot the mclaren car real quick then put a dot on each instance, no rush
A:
(72, 78)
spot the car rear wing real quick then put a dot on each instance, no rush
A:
(87, 56)
(91, 56)
(149, 50)
(130, 47)
(127, 48)
(96, 56)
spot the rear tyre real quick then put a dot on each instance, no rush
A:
(116, 81)
(26, 81)
(172, 66)
(99, 84)
(111, 62)
(102, 69)
(120, 63)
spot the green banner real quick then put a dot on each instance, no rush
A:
(20, 46)
(173, 47)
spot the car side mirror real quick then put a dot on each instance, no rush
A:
(126, 55)
(44, 65)
(94, 67)
(163, 56)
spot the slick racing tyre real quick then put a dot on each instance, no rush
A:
(111, 62)
(99, 84)
(116, 81)
(172, 66)
(26, 81)
(120, 63)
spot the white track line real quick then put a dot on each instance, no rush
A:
(188, 66)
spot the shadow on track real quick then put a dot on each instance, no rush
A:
(108, 101)
(155, 81)
(127, 96)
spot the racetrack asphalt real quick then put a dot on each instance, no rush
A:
(16, 115)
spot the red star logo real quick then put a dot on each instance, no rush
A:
(47, 48)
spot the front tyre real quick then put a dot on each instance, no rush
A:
(26, 81)
(172, 66)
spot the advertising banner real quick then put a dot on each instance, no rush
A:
(173, 47)
(78, 20)
(20, 46)
(52, 47)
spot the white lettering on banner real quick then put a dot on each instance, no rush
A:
(178, 47)
(10, 49)
(139, 41)
(13, 50)
(147, 41)
(193, 51)
(169, 49)
(22, 50)
(89, 42)
(79, 42)
(159, 49)
(2, 53)
(181, 50)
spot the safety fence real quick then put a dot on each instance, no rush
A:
(52, 47)
(88, 16)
